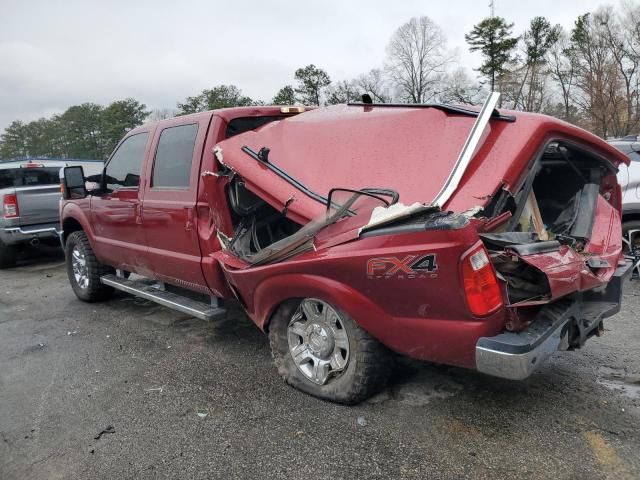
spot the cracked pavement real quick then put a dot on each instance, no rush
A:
(187, 399)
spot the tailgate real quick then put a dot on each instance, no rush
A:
(38, 204)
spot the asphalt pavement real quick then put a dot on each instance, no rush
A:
(128, 389)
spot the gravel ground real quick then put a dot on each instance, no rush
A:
(70, 370)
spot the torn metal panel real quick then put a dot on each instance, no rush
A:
(383, 215)
(244, 242)
(217, 151)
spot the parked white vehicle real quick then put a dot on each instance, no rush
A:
(629, 179)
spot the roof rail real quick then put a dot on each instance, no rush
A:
(439, 106)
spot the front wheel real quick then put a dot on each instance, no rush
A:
(84, 270)
(320, 350)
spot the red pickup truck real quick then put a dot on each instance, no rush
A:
(472, 237)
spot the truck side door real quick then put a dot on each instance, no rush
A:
(116, 213)
(169, 206)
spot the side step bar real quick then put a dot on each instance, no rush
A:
(171, 300)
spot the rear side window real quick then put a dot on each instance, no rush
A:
(29, 177)
(244, 124)
(172, 168)
(123, 170)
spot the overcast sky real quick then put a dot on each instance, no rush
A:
(57, 53)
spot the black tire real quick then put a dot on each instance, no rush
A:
(92, 290)
(7, 255)
(366, 372)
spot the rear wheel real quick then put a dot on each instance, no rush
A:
(631, 243)
(84, 270)
(7, 255)
(320, 350)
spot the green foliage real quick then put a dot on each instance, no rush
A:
(14, 140)
(492, 37)
(539, 38)
(88, 131)
(120, 117)
(221, 96)
(580, 34)
(82, 130)
(342, 92)
(311, 83)
(285, 96)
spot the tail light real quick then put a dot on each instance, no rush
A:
(10, 206)
(480, 283)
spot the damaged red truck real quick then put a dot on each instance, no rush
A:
(483, 239)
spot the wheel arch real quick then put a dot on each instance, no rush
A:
(276, 291)
(70, 225)
(72, 219)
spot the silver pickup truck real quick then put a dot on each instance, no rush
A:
(30, 194)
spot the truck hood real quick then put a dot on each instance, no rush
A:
(410, 150)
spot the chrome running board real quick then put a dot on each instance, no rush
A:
(142, 289)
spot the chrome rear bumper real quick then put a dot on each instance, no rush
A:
(13, 235)
(517, 362)
(517, 355)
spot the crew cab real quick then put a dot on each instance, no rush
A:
(29, 194)
(478, 238)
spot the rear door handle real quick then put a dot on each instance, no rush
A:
(188, 226)
(137, 213)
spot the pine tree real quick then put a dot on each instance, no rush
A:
(492, 37)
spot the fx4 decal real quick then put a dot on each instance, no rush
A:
(411, 266)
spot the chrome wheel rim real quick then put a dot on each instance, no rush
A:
(318, 341)
(631, 248)
(79, 266)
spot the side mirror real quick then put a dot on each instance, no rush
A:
(73, 186)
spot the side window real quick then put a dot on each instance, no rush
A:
(172, 167)
(123, 170)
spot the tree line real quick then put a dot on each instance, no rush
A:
(87, 131)
(588, 75)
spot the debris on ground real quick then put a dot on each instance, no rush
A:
(154, 389)
(202, 413)
(109, 429)
(72, 333)
(361, 421)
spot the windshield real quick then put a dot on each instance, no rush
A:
(29, 177)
